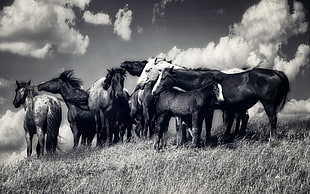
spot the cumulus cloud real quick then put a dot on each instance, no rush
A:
(2, 100)
(159, 8)
(292, 108)
(256, 40)
(122, 23)
(36, 28)
(297, 107)
(4, 83)
(97, 19)
(292, 67)
(12, 134)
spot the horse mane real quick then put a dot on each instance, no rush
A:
(67, 76)
(111, 72)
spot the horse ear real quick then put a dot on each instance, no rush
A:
(29, 82)
(18, 84)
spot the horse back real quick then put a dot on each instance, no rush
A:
(45, 113)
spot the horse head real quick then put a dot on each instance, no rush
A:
(115, 80)
(164, 81)
(21, 92)
(134, 68)
(68, 86)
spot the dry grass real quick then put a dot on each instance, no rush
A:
(249, 165)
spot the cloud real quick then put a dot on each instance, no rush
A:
(297, 107)
(140, 30)
(122, 23)
(37, 28)
(97, 19)
(252, 41)
(159, 8)
(12, 134)
(4, 83)
(2, 100)
(292, 67)
(292, 108)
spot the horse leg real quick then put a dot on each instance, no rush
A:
(229, 120)
(40, 145)
(180, 134)
(160, 126)
(109, 125)
(129, 128)
(245, 119)
(146, 122)
(238, 118)
(208, 121)
(272, 115)
(29, 137)
(76, 135)
(195, 128)
(49, 143)
(83, 141)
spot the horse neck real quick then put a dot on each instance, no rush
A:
(66, 92)
(28, 105)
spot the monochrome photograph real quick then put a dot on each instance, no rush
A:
(154, 96)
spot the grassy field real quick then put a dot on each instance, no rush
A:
(248, 165)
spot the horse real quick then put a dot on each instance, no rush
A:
(190, 105)
(241, 90)
(108, 98)
(147, 102)
(151, 71)
(43, 116)
(134, 68)
(81, 119)
(136, 113)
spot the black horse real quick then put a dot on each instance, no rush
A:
(134, 68)
(81, 119)
(190, 106)
(241, 90)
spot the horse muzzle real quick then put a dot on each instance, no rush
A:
(16, 104)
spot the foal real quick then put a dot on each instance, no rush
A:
(194, 104)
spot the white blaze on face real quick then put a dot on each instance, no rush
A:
(220, 97)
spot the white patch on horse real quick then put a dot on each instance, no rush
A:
(179, 89)
(140, 93)
(235, 70)
(220, 98)
(157, 82)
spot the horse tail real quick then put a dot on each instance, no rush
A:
(53, 123)
(285, 89)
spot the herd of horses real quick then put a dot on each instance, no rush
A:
(163, 91)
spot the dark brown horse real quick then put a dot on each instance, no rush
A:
(191, 106)
(81, 119)
(43, 116)
(241, 91)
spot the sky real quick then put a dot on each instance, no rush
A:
(41, 38)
